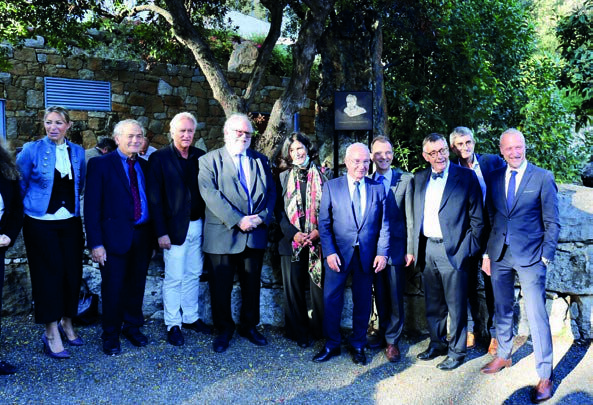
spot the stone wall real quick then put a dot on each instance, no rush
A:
(150, 93)
(569, 282)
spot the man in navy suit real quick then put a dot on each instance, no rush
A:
(448, 226)
(463, 144)
(389, 284)
(354, 232)
(119, 234)
(523, 209)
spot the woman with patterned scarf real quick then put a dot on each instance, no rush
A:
(297, 210)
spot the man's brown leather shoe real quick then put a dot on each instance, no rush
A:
(392, 352)
(542, 391)
(471, 340)
(493, 348)
(496, 365)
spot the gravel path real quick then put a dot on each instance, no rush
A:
(278, 373)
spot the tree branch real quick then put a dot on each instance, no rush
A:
(276, 9)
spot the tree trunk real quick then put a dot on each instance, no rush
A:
(293, 97)
(350, 51)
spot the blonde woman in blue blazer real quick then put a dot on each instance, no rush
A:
(52, 178)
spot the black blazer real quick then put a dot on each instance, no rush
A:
(460, 216)
(108, 204)
(12, 219)
(169, 196)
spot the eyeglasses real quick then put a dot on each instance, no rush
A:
(358, 162)
(435, 153)
(240, 133)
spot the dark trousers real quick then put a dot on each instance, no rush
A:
(389, 298)
(54, 253)
(295, 280)
(123, 279)
(333, 301)
(445, 293)
(474, 321)
(533, 290)
(247, 265)
(2, 253)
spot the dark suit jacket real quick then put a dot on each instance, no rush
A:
(338, 229)
(400, 203)
(288, 229)
(169, 196)
(532, 221)
(108, 204)
(12, 218)
(460, 215)
(488, 163)
(226, 201)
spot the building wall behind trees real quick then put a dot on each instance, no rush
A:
(150, 93)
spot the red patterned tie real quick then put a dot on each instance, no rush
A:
(135, 189)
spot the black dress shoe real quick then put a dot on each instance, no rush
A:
(431, 353)
(376, 342)
(6, 368)
(358, 356)
(450, 364)
(111, 346)
(221, 343)
(175, 337)
(135, 337)
(253, 336)
(325, 354)
(198, 326)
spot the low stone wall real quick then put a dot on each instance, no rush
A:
(151, 93)
(569, 282)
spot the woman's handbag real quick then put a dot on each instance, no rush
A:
(88, 306)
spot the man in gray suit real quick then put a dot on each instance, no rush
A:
(237, 186)
(389, 284)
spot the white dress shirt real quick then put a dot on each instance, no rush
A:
(431, 224)
(518, 177)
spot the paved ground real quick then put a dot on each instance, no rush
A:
(278, 373)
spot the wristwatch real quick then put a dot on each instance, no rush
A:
(545, 261)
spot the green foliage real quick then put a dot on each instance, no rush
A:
(547, 123)
(474, 63)
(575, 34)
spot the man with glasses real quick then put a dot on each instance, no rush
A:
(447, 233)
(239, 192)
(463, 144)
(354, 232)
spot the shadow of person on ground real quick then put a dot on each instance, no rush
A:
(565, 366)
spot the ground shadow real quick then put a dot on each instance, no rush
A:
(565, 366)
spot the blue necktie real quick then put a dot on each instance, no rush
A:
(381, 179)
(510, 199)
(356, 201)
(435, 175)
(511, 190)
(243, 180)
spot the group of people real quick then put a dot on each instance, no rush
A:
(214, 209)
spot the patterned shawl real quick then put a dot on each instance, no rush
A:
(310, 210)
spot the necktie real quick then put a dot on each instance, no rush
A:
(356, 201)
(243, 180)
(511, 190)
(437, 175)
(135, 189)
(510, 199)
(381, 179)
